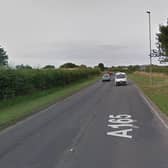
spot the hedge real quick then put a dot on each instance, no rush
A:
(26, 81)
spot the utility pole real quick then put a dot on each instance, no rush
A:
(150, 46)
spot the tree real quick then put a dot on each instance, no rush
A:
(3, 57)
(101, 66)
(133, 68)
(69, 65)
(49, 67)
(162, 44)
(23, 67)
(83, 66)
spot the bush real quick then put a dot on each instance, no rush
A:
(26, 81)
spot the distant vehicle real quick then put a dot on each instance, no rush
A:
(106, 77)
(120, 79)
(110, 73)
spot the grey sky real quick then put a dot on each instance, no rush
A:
(115, 32)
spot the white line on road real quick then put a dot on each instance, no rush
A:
(121, 122)
(151, 107)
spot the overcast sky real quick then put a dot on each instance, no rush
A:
(115, 32)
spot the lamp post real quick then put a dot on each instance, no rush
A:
(150, 45)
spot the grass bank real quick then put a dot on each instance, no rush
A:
(19, 108)
(157, 91)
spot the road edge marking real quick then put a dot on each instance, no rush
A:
(154, 108)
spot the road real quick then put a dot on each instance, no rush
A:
(102, 126)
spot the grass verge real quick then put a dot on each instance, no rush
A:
(21, 107)
(157, 91)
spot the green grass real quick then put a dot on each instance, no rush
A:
(157, 91)
(16, 109)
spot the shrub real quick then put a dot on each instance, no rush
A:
(25, 81)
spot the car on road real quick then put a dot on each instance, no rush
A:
(120, 79)
(106, 77)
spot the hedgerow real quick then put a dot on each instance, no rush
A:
(26, 81)
(159, 69)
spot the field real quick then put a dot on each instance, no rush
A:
(157, 91)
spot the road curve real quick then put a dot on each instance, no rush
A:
(102, 126)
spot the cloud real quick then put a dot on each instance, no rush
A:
(81, 53)
(83, 31)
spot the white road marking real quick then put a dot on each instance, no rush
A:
(152, 108)
(71, 150)
(121, 133)
(120, 125)
(120, 116)
(119, 122)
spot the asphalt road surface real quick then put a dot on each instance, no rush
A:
(102, 126)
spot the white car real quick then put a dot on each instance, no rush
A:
(106, 77)
(120, 79)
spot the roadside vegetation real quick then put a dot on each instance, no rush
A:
(157, 91)
(19, 82)
(24, 90)
(17, 108)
